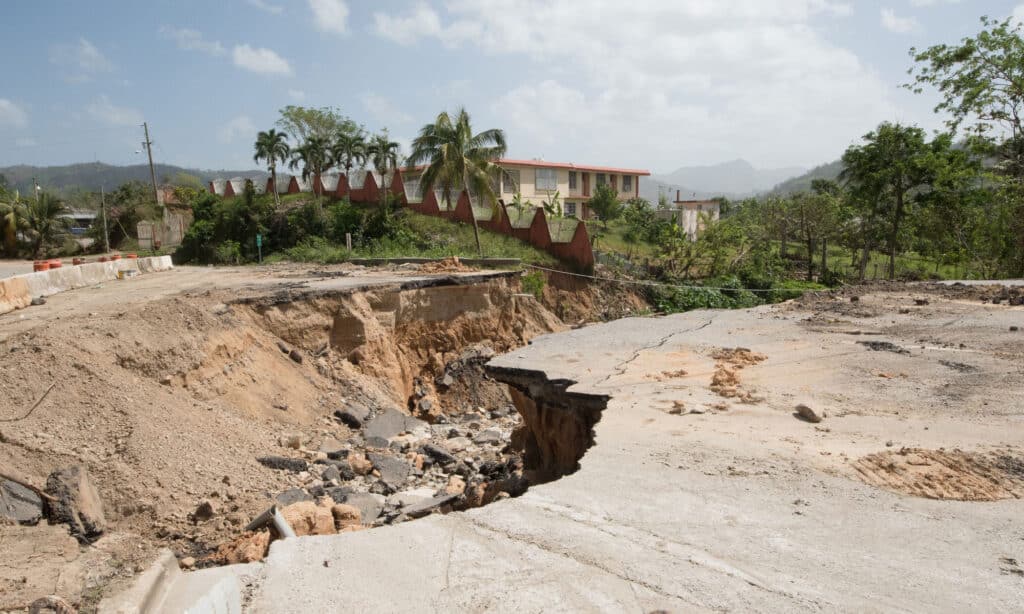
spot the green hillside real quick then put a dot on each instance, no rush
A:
(92, 175)
(803, 182)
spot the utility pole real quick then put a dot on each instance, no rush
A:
(35, 189)
(149, 151)
(103, 211)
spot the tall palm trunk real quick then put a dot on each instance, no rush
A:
(273, 180)
(472, 215)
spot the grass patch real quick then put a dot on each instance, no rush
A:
(424, 236)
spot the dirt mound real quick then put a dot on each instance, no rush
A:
(726, 380)
(940, 474)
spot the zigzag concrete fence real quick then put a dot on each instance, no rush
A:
(17, 292)
(565, 239)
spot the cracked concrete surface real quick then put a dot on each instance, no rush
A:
(742, 509)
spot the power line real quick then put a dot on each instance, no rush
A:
(651, 283)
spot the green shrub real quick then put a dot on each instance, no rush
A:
(533, 283)
(229, 252)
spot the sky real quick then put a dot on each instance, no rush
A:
(652, 84)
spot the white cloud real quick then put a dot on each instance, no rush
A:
(11, 115)
(240, 126)
(105, 111)
(191, 40)
(260, 60)
(383, 110)
(297, 95)
(899, 25)
(266, 6)
(25, 142)
(330, 15)
(932, 2)
(1018, 13)
(80, 60)
(710, 81)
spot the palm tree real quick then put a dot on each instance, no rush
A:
(383, 152)
(12, 219)
(349, 149)
(272, 146)
(455, 157)
(44, 217)
(314, 158)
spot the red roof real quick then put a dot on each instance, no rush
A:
(574, 167)
(566, 165)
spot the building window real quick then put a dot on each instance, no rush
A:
(572, 180)
(547, 179)
(602, 179)
(510, 182)
(627, 183)
(570, 209)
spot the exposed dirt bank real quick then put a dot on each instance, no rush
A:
(169, 403)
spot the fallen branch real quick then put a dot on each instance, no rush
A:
(33, 408)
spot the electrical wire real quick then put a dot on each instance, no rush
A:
(650, 283)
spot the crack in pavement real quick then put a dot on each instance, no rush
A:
(687, 597)
(622, 367)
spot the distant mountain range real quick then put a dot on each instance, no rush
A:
(92, 175)
(803, 182)
(735, 179)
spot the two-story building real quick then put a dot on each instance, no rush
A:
(538, 181)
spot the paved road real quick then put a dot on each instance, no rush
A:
(742, 509)
(248, 281)
(10, 268)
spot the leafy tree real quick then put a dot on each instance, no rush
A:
(383, 153)
(457, 158)
(313, 158)
(272, 146)
(605, 203)
(305, 122)
(3, 182)
(817, 219)
(982, 82)
(131, 203)
(348, 150)
(885, 171)
(44, 217)
(641, 222)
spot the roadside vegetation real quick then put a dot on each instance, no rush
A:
(905, 204)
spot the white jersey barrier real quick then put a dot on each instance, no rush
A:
(17, 292)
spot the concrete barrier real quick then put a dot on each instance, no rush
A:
(14, 294)
(164, 588)
(17, 292)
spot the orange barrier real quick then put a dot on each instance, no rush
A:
(41, 265)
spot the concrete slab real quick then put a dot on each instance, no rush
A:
(741, 509)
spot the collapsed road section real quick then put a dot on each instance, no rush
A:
(726, 472)
(347, 398)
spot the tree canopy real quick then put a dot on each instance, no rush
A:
(324, 122)
(981, 80)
